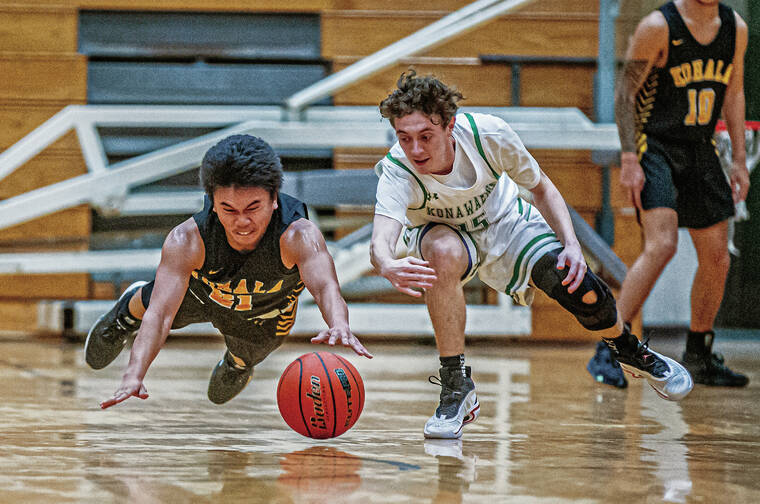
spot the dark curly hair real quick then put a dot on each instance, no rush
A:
(425, 94)
(241, 161)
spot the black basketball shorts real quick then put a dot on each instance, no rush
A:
(249, 339)
(688, 178)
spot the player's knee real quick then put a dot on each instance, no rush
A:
(602, 313)
(662, 247)
(446, 254)
(590, 297)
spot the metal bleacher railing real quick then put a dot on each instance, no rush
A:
(296, 125)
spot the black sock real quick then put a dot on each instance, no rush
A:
(625, 343)
(454, 361)
(126, 318)
(696, 342)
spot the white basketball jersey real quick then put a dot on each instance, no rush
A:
(471, 197)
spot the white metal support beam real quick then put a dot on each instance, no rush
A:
(446, 28)
(324, 127)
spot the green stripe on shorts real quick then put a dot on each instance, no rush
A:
(523, 259)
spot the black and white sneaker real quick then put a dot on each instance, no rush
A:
(228, 380)
(110, 333)
(667, 377)
(710, 369)
(458, 404)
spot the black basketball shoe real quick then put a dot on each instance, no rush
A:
(109, 335)
(227, 380)
(458, 404)
(605, 369)
(667, 377)
(708, 368)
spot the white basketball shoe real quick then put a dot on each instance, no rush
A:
(458, 404)
(666, 376)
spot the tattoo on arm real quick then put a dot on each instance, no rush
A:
(630, 79)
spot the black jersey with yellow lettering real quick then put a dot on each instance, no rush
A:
(251, 284)
(683, 100)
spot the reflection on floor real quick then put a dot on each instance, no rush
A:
(547, 432)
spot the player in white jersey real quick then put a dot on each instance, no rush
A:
(450, 185)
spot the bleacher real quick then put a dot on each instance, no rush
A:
(105, 53)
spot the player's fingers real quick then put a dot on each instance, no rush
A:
(416, 260)
(408, 291)
(360, 350)
(420, 284)
(577, 280)
(561, 259)
(571, 274)
(143, 393)
(334, 335)
(115, 399)
(412, 276)
(421, 271)
(636, 198)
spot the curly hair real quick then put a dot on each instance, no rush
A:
(241, 161)
(424, 94)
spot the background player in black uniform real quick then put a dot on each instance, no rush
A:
(684, 66)
(240, 264)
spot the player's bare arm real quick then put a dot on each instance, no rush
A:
(303, 245)
(648, 47)
(733, 113)
(551, 204)
(182, 252)
(405, 274)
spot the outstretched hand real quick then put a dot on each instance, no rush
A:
(129, 387)
(408, 274)
(345, 336)
(572, 257)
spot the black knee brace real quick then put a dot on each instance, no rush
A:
(596, 316)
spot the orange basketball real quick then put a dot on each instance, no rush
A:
(320, 395)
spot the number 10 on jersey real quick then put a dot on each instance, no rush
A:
(701, 104)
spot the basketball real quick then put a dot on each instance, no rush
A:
(320, 395)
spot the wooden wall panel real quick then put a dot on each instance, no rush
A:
(36, 29)
(195, 5)
(558, 86)
(556, 6)
(68, 225)
(581, 196)
(18, 315)
(481, 85)
(359, 34)
(19, 120)
(64, 286)
(43, 170)
(628, 238)
(43, 77)
(345, 158)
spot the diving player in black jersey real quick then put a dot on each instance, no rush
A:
(240, 264)
(684, 67)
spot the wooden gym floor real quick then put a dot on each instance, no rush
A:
(547, 433)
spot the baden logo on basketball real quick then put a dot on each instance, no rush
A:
(318, 420)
